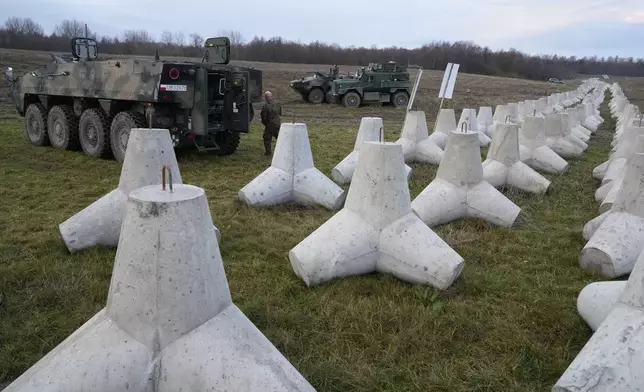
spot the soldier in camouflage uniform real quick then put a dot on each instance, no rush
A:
(271, 112)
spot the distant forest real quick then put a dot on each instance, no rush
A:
(25, 33)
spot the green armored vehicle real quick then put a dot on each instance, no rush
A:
(89, 104)
(377, 83)
(314, 88)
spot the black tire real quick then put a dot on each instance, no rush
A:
(122, 123)
(94, 133)
(351, 100)
(227, 141)
(36, 125)
(62, 128)
(400, 99)
(316, 96)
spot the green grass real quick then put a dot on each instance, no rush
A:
(508, 324)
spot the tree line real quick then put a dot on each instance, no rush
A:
(24, 33)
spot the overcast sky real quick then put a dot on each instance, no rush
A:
(566, 27)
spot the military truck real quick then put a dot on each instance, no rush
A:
(314, 88)
(89, 104)
(387, 83)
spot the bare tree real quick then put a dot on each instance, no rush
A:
(196, 40)
(137, 37)
(179, 38)
(69, 28)
(23, 26)
(167, 38)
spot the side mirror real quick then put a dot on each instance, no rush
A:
(84, 48)
(8, 74)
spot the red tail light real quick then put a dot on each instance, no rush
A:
(174, 73)
(191, 137)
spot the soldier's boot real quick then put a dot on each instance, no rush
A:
(267, 148)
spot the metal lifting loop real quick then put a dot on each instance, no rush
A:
(464, 124)
(163, 170)
(507, 118)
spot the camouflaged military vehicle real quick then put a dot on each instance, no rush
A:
(377, 83)
(314, 88)
(82, 102)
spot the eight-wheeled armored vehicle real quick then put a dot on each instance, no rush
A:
(315, 88)
(387, 83)
(82, 102)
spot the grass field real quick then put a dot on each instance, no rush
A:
(508, 324)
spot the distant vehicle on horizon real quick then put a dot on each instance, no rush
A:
(555, 80)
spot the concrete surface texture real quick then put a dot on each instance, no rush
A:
(533, 149)
(617, 236)
(459, 190)
(445, 123)
(292, 176)
(468, 122)
(610, 359)
(377, 231)
(485, 120)
(370, 130)
(415, 141)
(99, 224)
(504, 168)
(169, 323)
(559, 139)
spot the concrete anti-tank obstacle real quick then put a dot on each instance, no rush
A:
(591, 121)
(169, 323)
(377, 231)
(468, 118)
(559, 139)
(500, 116)
(503, 166)
(533, 149)
(616, 237)
(370, 130)
(292, 176)
(611, 359)
(99, 224)
(611, 187)
(485, 120)
(459, 190)
(627, 147)
(581, 133)
(415, 141)
(445, 123)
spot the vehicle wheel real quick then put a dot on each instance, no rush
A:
(94, 133)
(227, 141)
(400, 99)
(122, 123)
(316, 96)
(351, 100)
(36, 125)
(62, 127)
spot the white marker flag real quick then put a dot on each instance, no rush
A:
(414, 90)
(449, 81)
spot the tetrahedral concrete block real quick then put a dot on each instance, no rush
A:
(611, 359)
(501, 116)
(99, 224)
(415, 141)
(503, 166)
(445, 123)
(292, 176)
(370, 130)
(575, 129)
(513, 112)
(614, 177)
(616, 237)
(559, 139)
(533, 149)
(485, 120)
(591, 121)
(468, 122)
(169, 323)
(377, 231)
(459, 190)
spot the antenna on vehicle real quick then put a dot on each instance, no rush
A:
(86, 33)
